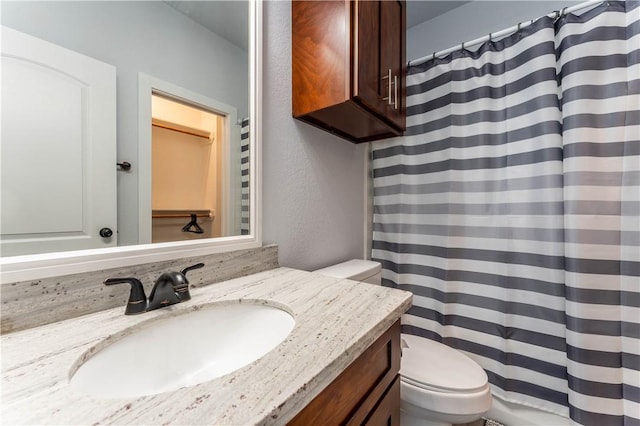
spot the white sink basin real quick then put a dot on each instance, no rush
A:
(184, 350)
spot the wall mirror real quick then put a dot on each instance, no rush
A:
(205, 54)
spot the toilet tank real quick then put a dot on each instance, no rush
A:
(357, 269)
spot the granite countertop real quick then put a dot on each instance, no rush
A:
(336, 320)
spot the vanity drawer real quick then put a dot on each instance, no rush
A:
(358, 394)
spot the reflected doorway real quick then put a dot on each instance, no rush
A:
(198, 153)
(186, 158)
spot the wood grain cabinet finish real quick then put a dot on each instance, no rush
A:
(349, 67)
(367, 392)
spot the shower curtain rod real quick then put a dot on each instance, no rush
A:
(556, 14)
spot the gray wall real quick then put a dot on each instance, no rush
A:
(473, 20)
(137, 36)
(313, 182)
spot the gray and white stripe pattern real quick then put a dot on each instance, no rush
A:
(244, 177)
(520, 244)
(599, 76)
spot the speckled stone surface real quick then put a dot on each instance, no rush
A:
(33, 303)
(336, 320)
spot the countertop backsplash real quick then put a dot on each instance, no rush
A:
(33, 303)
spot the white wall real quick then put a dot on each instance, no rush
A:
(473, 20)
(313, 182)
(137, 36)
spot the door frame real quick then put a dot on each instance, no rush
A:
(148, 85)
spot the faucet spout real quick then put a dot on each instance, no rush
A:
(163, 292)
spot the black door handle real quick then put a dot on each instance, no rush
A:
(106, 232)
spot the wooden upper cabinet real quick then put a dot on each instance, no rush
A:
(348, 67)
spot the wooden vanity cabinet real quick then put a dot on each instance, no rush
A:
(349, 66)
(366, 392)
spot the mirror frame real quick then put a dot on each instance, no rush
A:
(37, 266)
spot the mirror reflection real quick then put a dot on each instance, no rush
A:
(75, 174)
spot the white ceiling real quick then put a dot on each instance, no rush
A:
(229, 19)
(419, 11)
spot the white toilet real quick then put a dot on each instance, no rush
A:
(438, 384)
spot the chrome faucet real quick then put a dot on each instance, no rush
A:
(170, 288)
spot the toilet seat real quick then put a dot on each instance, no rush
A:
(442, 380)
(434, 366)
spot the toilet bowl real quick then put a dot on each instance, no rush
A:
(439, 386)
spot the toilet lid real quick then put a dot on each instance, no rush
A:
(431, 364)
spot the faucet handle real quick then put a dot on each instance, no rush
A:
(137, 303)
(181, 285)
(191, 268)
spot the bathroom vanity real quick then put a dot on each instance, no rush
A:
(338, 364)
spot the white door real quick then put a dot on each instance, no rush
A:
(57, 148)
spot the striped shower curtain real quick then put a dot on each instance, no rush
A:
(599, 76)
(511, 210)
(244, 177)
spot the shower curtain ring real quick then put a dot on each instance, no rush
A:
(563, 12)
(519, 26)
(462, 48)
(490, 37)
(434, 56)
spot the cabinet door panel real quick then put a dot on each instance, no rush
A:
(366, 68)
(320, 55)
(379, 58)
(392, 58)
